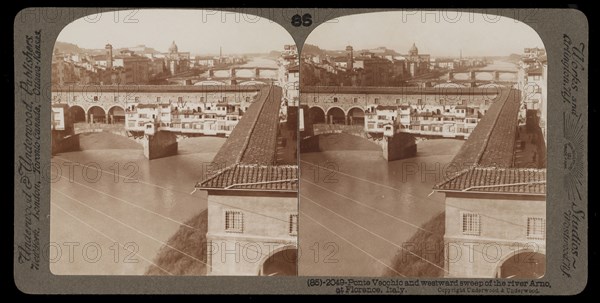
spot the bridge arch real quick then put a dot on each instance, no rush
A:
(96, 114)
(116, 114)
(491, 85)
(77, 113)
(283, 261)
(210, 82)
(336, 115)
(449, 85)
(525, 264)
(484, 75)
(253, 82)
(356, 116)
(316, 114)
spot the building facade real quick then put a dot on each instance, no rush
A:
(175, 61)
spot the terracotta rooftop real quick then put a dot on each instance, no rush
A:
(155, 88)
(486, 159)
(492, 142)
(254, 177)
(462, 91)
(497, 180)
(249, 156)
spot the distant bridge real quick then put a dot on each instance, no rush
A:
(231, 76)
(483, 76)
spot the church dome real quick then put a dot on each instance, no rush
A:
(413, 50)
(173, 48)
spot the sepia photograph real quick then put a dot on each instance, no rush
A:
(290, 151)
(423, 147)
(174, 145)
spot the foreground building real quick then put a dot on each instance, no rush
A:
(495, 206)
(253, 196)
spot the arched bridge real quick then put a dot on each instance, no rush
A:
(232, 76)
(316, 136)
(484, 76)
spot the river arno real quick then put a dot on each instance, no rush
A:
(112, 212)
(353, 221)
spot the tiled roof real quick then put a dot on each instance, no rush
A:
(497, 180)
(254, 177)
(387, 107)
(409, 90)
(492, 142)
(249, 156)
(253, 140)
(156, 88)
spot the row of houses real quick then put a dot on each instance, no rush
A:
(454, 121)
(194, 118)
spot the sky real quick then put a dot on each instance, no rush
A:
(196, 31)
(441, 33)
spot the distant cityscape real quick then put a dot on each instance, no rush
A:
(132, 65)
(377, 67)
(195, 98)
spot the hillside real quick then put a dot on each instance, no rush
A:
(433, 242)
(65, 47)
(309, 49)
(185, 252)
(71, 48)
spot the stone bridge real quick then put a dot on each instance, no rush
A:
(232, 72)
(399, 146)
(231, 76)
(483, 76)
(87, 109)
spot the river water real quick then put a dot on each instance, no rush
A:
(354, 220)
(115, 195)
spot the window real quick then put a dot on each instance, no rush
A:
(74, 98)
(116, 98)
(397, 101)
(335, 99)
(137, 99)
(179, 99)
(201, 99)
(234, 221)
(224, 99)
(157, 99)
(471, 224)
(536, 228)
(355, 100)
(376, 100)
(95, 98)
(293, 225)
(247, 99)
(315, 100)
